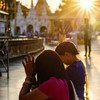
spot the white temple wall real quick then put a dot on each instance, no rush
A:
(23, 29)
(31, 19)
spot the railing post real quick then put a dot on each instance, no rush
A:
(7, 49)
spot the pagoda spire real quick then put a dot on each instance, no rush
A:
(42, 4)
(19, 9)
(32, 9)
(20, 20)
(31, 3)
(44, 11)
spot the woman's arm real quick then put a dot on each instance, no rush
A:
(35, 94)
(26, 93)
(25, 90)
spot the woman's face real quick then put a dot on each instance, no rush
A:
(66, 58)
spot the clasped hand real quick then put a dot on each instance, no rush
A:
(29, 66)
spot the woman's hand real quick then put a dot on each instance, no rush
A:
(29, 66)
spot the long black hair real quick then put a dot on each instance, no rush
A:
(48, 64)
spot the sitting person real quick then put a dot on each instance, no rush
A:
(51, 83)
(75, 70)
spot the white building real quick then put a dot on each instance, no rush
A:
(33, 21)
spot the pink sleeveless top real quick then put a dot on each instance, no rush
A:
(55, 89)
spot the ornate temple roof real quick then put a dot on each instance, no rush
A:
(39, 7)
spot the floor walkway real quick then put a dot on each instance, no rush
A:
(9, 89)
(93, 67)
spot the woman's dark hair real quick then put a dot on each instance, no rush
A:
(48, 64)
(66, 46)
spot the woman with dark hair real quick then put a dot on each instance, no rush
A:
(75, 70)
(48, 64)
(52, 83)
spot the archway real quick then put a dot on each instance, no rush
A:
(43, 31)
(30, 30)
(17, 30)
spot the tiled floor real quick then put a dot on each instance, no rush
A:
(9, 89)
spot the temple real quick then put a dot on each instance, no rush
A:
(38, 16)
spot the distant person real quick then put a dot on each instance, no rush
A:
(24, 33)
(29, 34)
(52, 83)
(37, 34)
(87, 37)
(75, 70)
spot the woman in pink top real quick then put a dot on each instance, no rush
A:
(51, 83)
(55, 89)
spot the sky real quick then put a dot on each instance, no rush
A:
(54, 4)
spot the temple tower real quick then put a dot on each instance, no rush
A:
(43, 13)
(39, 7)
(31, 18)
(20, 20)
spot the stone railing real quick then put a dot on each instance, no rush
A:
(22, 46)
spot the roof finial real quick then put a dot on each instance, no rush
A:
(31, 3)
